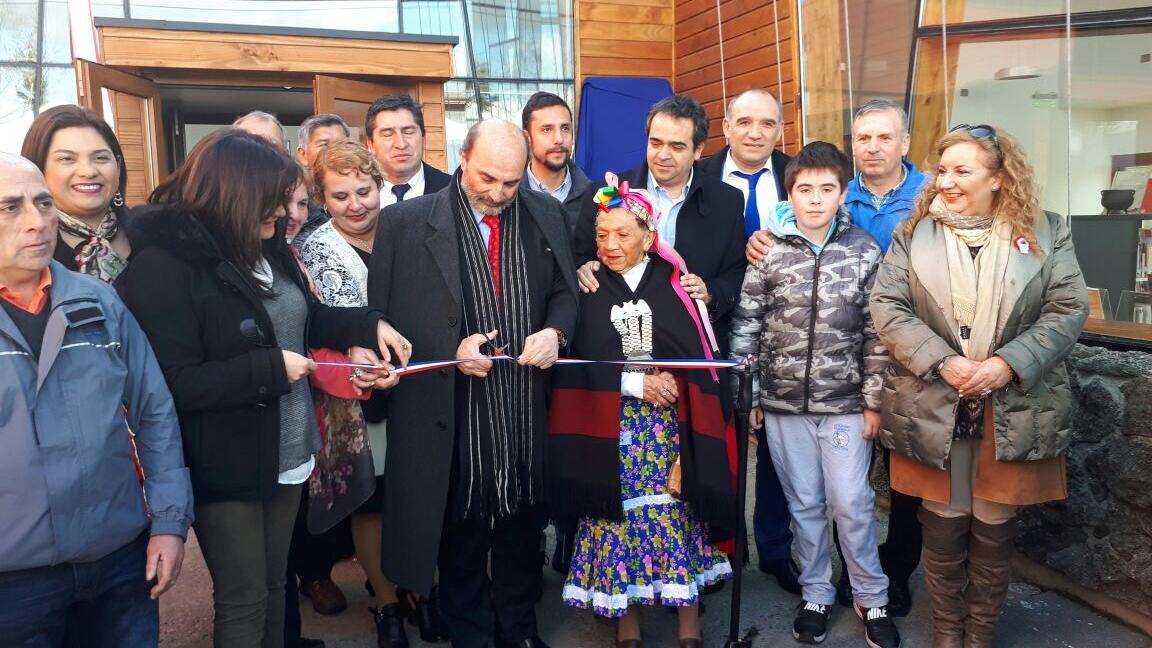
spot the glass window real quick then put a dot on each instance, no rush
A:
(440, 18)
(59, 86)
(526, 40)
(955, 11)
(18, 25)
(108, 8)
(1019, 86)
(57, 45)
(354, 15)
(17, 100)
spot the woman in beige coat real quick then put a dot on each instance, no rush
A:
(978, 301)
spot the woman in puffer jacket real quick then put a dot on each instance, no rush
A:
(979, 301)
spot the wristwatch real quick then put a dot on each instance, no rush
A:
(562, 340)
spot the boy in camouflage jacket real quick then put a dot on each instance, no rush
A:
(803, 312)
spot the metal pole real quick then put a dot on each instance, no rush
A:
(743, 407)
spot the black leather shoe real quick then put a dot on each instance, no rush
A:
(390, 627)
(305, 642)
(326, 596)
(785, 571)
(844, 589)
(899, 598)
(424, 613)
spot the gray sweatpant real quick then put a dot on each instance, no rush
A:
(822, 462)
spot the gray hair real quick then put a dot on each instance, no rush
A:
(322, 120)
(752, 91)
(883, 105)
(260, 115)
(17, 162)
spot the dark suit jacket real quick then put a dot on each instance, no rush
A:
(414, 277)
(434, 179)
(709, 235)
(714, 166)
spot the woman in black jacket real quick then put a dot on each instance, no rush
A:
(227, 310)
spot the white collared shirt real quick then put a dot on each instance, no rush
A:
(415, 188)
(668, 206)
(767, 194)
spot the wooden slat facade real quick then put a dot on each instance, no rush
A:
(759, 52)
(679, 40)
(625, 38)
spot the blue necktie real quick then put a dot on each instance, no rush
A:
(751, 211)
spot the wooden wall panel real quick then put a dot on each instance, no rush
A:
(759, 52)
(625, 38)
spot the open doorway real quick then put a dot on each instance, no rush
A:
(193, 111)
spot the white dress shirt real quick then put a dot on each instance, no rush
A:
(668, 206)
(767, 194)
(415, 188)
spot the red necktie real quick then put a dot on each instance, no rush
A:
(493, 223)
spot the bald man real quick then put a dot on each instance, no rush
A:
(480, 267)
(83, 559)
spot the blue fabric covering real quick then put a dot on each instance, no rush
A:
(612, 133)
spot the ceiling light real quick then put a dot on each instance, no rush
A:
(1016, 72)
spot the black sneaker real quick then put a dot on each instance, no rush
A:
(811, 624)
(879, 630)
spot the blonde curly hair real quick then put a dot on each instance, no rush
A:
(1017, 202)
(344, 157)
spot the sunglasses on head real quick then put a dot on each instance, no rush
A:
(979, 131)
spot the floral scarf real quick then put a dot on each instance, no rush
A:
(94, 254)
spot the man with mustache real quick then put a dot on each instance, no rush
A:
(880, 196)
(547, 120)
(87, 547)
(481, 268)
(394, 131)
(703, 218)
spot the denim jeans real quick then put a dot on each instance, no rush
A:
(99, 604)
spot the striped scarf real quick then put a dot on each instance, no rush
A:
(495, 436)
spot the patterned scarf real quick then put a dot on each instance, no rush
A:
(94, 253)
(496, 436)
(977, 287)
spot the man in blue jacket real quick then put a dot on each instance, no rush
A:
(86, 549)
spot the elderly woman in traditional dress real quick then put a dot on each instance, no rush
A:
(979, 301)
(621, 435)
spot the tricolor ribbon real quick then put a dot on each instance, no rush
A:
(658, 363)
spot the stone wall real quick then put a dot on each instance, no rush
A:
(1101, 536)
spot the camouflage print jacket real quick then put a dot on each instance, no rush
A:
(805, 316)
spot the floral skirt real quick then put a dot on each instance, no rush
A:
(657, 553)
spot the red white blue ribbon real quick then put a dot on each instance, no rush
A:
(656, 363)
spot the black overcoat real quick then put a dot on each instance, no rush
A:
(414, 277)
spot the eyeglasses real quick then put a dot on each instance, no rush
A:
(979, 131)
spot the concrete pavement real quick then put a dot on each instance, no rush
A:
(1032, 618)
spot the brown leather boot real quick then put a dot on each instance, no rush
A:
(990, 551)
(945, 573)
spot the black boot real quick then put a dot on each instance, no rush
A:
(424, 613)
(390, 627)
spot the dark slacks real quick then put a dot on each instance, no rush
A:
(771, 520)
(469, 596)
(98, 604)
